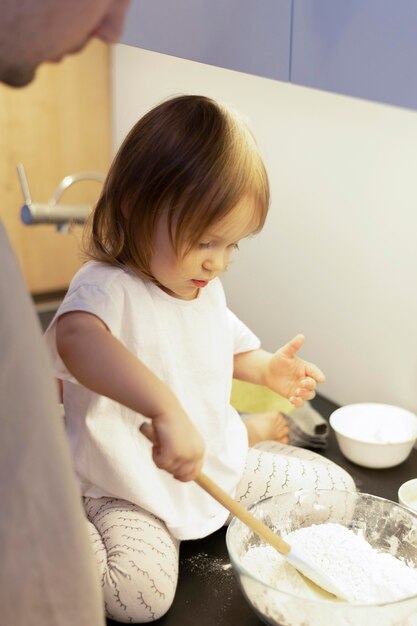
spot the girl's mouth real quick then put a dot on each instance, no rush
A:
(200, 283)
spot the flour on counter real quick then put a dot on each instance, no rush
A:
(367, 576)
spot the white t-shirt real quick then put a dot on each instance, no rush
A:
(189, 344)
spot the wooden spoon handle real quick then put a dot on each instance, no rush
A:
(243, 514)
(236, 509)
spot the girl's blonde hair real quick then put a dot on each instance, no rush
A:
(190, 159)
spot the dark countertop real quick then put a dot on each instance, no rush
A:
(209, 595)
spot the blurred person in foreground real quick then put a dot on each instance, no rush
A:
(48, 575)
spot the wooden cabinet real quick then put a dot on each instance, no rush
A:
(243, 35)
(58, 125)
(362, 48)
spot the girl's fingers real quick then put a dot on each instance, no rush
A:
(292, 347)
(187, 471)
(301, 395)
(305, 394)
(315, 372)
(167, 460)
(180, 469)
(308, 383)
(309, 395)
(148, 430)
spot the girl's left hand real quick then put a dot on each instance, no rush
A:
(292, 377)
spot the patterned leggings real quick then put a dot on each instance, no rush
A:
(137, 556)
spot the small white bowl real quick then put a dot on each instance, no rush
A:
(407, 494)
(374, 435)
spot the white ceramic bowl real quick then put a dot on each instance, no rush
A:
(407, 494)
(387, 526)
(374, 435)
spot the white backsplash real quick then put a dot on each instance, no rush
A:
(337, 259)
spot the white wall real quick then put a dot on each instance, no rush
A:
(337, 259)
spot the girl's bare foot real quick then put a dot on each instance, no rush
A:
(269, 426)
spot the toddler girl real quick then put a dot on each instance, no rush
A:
(145, 345)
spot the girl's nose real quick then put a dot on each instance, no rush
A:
(216, 262)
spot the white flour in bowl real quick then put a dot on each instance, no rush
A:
(367, 576)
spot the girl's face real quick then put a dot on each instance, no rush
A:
(183, 276)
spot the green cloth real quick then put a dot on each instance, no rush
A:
(250, 398)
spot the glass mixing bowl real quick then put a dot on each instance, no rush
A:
(387, 526)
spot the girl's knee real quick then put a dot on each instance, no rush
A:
(136, 595)
(343, 480)
(331, 476)
(139, 561)
(140, 607)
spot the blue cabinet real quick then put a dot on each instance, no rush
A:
(250, 36)
(362, 48)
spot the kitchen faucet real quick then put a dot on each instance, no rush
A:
(54, 212)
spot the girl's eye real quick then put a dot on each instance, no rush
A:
(204, 245)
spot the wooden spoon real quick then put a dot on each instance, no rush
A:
(296, 557)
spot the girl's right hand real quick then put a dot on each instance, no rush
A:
(178, 447)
